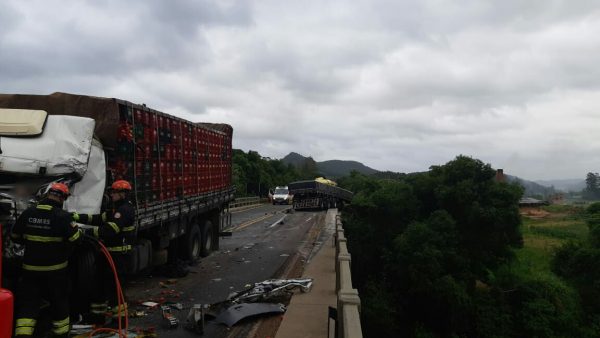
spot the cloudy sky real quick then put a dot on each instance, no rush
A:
(397, 85)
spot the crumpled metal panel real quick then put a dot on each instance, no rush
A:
(86, 195)
(237, 312)
(63, 148)
(271, 288)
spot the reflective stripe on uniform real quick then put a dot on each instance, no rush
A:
(119, 310)
(131, 228)
(44, 207)
(45, 267)
(119, 248)
(99, 305)
(24, 331)
(104, 216)
(114, 226)
(96, 232)
(75, 216)
(24, 326)
(99, 308)
(61, 326)
(34, 238)
(75, 236)
(26, 322)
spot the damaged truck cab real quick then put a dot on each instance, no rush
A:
(180, 172)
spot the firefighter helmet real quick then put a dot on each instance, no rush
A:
(60, 189)
(121, 185)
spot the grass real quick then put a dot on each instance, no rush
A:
(543, 235)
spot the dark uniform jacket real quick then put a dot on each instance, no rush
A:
(48, 233)
(115, 227)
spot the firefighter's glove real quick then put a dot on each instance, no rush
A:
(90, 231)
(75, 216)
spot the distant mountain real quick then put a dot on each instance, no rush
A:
(532, 189)
(566, 185)
(331, 168)
(338, 168)
(294, 159)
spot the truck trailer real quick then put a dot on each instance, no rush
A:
(180, 172)
(318, 194)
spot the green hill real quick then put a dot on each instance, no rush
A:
(330, 168)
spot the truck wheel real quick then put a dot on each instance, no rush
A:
(193, 245)
(207, 239)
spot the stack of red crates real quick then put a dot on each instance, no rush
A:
(173, 158)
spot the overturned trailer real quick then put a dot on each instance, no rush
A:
(318, 194)
(180, 172)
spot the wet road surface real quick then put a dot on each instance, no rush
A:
(263, 242)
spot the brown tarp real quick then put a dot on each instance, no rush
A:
(104, 110)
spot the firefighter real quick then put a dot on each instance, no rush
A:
(48, 234)
(116, 229)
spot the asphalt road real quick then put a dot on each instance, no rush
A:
(263, 240)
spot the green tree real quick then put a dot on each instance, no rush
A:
(592, 186)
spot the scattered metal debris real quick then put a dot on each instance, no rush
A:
(172, 305)
(237, 312)
(170, 320)
(195, 318)
(271, 288)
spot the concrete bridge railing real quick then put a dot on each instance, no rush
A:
(245, 202)
(348, 303)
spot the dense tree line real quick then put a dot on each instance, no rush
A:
(254, 175)
(432, 256)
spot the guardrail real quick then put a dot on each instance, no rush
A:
(348, 302)
(245, 201)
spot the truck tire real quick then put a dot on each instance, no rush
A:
(207, 239)
(193, 244)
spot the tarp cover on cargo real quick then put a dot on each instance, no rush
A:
(104, 111)
(62, 148)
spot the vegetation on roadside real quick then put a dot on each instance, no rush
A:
(445, 253)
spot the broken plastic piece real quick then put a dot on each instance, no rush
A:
(150, 304)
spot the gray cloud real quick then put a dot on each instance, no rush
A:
(398, 85)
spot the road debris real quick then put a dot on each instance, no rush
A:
(150, 304)
(271, 288)
(170, 320)
(172, 305)
(237, 312)
(136, 314)
(196, 318)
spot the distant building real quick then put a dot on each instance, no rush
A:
(531, 202)
(500, 175)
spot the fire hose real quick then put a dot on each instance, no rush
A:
(120, 296)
